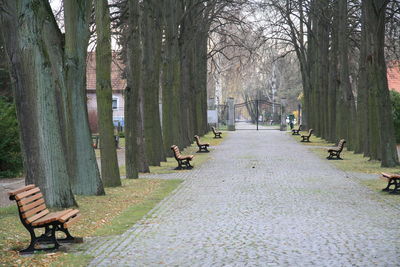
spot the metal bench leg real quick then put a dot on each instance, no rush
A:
(387, 188)
(188, 164)
(396, 186)
(31, 247)
(51, 239)
(68, 237)
(179, 164)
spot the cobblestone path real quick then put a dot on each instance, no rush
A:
(264, 200)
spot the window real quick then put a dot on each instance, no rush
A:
(115, 103)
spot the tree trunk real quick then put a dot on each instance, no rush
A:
(135, 156)
(333, 77)
(362, 96)
(345, 105)
(34, 47)
(379, 104)
(151, 82)
(82, 159)
(171, 78)
(109, 161)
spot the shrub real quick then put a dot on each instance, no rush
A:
(10, 153)
(395, 98)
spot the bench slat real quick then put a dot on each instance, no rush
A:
(50, 217)
(31, 205)
(34, 211)
(68, 215)
(29, 199)
(72, 221)
(37, 216)
(390, 175)
(20, 190)
(27, 193)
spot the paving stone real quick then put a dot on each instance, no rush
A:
(291, 209)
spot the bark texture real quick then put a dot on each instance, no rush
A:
(135, 156)
(109, 161)
(34, 47)
(381, 127)
(151, 61)
(85, 175)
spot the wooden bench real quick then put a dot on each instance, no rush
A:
(306, 138)
(216, 134)
(297, 131)
(183, 161)
(34, 214)
(202, 147)
(392, 179)
(335, 151)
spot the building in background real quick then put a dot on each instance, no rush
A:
(118, 84)
(393, 76)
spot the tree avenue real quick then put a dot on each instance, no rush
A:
(334, 51)
(340, 46)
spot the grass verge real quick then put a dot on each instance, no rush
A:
(113, 213)
(314, 141)
(199, 158)
(356, 163)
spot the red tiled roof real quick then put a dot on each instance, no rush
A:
(117, 67)
(393, 76)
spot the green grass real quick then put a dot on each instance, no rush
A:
(356, 163)
(132, 214)
(113, 213)
(72, 260)
(199, 158)
(314, 141)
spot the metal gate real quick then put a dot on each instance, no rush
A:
(257, 115)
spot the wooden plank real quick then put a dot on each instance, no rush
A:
(34, 211)
(72, 221)
(391, 175)
(27, 193)
(37, 216)
(68, 215)
(31, 205)
(50, 217)
(19, 190)
(29, 199)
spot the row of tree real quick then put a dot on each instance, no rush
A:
(340, 46)
(165, 51)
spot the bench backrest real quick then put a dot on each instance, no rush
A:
(341, 144)
(299, 128)
(310, 132)
(30, 202)
(176, 151)
(213, 129)
(196, 137)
